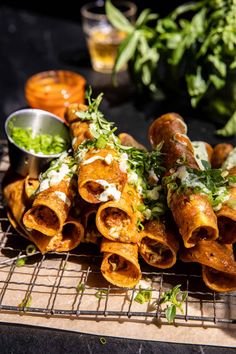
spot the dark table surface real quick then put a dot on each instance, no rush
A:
(30, 43)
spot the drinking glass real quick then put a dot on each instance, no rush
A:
(102, 38)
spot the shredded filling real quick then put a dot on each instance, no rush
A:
(201, 233)
(116, 220)
(94, 188)
(46, 217)
(154, 251)
(117, 263)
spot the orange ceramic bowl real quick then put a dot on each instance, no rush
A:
(55, 90)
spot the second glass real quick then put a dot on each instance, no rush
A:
(102, 38)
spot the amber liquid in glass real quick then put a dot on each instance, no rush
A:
(103, 42)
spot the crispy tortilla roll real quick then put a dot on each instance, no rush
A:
(211, 254)
(14, 196)
(100, 177)
(17, 192)
(220, 154)
(192, 212)
(71, 112)
(53, 198)
(120, 263)
(70, 237)
(170, 131)
(194, 217)
(218, 281)
(91, 233)
(30, 187)
(117, 220)
(79, 129)
(128, 140)
(227, 214)
(50, 209)
(159, 244)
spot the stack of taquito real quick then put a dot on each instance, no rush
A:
(206, 218)
(110, 191)
(108, 183)
(102, 186)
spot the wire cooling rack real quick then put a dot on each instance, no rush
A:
(70, 284)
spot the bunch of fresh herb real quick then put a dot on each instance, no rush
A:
(191, 51)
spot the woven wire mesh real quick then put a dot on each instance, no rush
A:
(70, 284)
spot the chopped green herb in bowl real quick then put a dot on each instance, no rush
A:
(45, 144)
(35, 137)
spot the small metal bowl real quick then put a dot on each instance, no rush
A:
(42, 122)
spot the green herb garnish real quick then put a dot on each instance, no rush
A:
(210, 182)
(103, 340)
(174, 299)
(140, 225)
(30, 250)
(45, 144)
(100, 294)
(26, 302)
(21, 261)
(80, 288)
(144, 295)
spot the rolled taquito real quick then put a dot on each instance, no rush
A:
(159, 244)
(211, 254)
(170, 131)
(14, 197)
(120, 263)
(53, 199)
(16, 200)
(128, 140)
(220, 154)
(192, 211)
(70, 237)
(218, 281)
(80, 131)
(226, 215)
(118, 220)
(100, 176)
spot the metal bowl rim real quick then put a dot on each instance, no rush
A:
(32, 110)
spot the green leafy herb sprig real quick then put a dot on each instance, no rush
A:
(175, 299)
(193, 50)
(26, 302)
(143, 295)
(100, 128)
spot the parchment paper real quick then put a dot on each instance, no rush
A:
(52, 284)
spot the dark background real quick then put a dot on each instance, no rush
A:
(69, 9)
